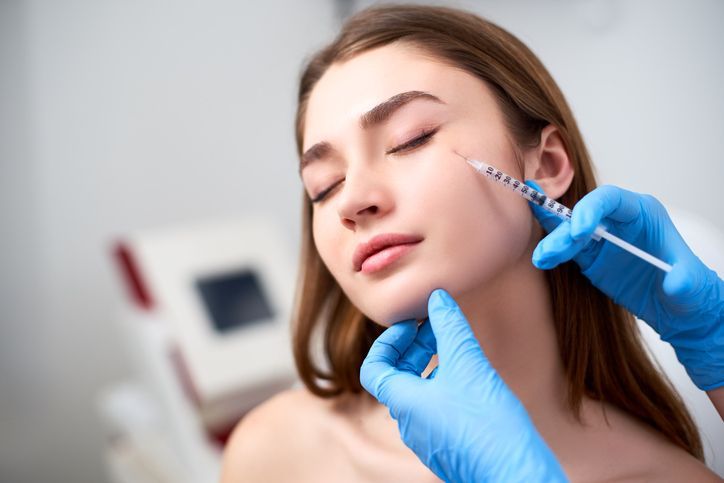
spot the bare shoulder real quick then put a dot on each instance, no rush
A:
(280, 430)
(669, 463)
(622, 448)
(655, 458)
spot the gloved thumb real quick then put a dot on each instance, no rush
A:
(548, 220)
(691, 285)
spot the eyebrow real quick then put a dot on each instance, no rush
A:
(374, 117)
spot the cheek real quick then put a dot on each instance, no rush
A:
(325, 239)
(478, 220)
(333, 245)
(476, 231)
(489, 237)
(332, 241)
(473, 231)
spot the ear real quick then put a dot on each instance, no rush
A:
(548, 164)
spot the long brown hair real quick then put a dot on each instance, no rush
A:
(599, 344)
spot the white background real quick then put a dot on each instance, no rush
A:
(123, 115)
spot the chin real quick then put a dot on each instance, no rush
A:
(417, 311)
(389, 306)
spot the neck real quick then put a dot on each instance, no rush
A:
(512, 319)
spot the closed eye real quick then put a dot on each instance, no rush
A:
(415, 142)
(402, 148)
(323, 194)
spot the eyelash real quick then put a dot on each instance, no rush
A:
(404, 147)
(423, 138)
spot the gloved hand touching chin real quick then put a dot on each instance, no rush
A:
(462, 421)
(685, 306)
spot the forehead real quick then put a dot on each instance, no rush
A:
(349, 89)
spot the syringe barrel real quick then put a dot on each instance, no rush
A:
(551, 205)
(530, 194)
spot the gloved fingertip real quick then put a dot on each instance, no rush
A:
(545, 263)
(548, 220)
(576, 229)
(449, 325)
(392, 343)
(539, 250)
(552, 243)
(538, 264)
(583, 223)
(534, 185)
(408, 322)
(539, 258)
(678, 282)
(373, 374)
(401, 329)
(440, 297)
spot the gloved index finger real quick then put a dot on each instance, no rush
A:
(605, 201)
(548, 220)
(379, 375)
(384, 354)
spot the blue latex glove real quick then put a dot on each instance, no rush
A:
(462, 421)
(685, 306)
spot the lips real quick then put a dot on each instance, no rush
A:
(380, 243)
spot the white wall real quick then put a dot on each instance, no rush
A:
(24, 351)
(644, 79)
(120, 115)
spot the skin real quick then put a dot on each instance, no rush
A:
(428, 191)
(477, 244)
(716, 396)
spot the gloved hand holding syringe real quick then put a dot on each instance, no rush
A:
(561, 211)
(684, 305)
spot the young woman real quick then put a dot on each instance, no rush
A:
(392, 211)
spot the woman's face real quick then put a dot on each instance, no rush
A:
(397, 212)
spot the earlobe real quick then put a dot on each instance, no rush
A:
(548, 163)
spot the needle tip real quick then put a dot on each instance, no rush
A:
(464, 157)
(475, 164)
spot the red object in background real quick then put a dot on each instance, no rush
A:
(132, 275)
(141, 296)
(221, 436)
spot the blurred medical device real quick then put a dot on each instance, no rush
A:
(207, 324)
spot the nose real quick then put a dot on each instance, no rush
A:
(364, 197)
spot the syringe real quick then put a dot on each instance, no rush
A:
(551, 205)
